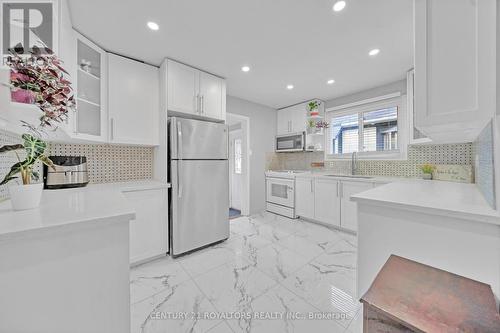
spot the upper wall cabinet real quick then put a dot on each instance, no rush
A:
(133, 101)
(90, 119)
(454, 67)
(292, 119)
(193, 93)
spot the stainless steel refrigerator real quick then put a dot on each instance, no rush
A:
(199, 174)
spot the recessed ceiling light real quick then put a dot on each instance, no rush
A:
(153, 26)
(338, 6)
(331, 81)
(289, 87)
(245, 69)
(374, 52)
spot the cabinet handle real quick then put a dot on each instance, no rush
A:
(312, 186)
(112, 128)
(341, 190)
(202, 104)
(338, 189)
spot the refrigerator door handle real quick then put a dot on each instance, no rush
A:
(179, 154)
(179, 140)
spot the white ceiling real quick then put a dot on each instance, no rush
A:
(302, 42)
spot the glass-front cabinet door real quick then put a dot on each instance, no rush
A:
(90, 115)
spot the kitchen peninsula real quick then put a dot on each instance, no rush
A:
(74, 251)
(441, 224)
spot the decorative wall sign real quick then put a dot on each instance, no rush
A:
(453, 173)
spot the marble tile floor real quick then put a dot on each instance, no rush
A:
(272, 275)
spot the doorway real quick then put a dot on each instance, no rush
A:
(239, 191)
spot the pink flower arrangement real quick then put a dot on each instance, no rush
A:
(39, 79)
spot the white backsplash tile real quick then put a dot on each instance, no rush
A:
(106, 163)
(483, 161)
(456, 154)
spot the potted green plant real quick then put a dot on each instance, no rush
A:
(313, 108)
(39, 80)
(427, 170)
(27, 195)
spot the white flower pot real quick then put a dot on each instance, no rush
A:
(25, 196)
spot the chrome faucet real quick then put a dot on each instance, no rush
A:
(354, 163)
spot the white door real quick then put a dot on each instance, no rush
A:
(327, 201)
(349, 209)
(182, 87)
(304, 197)
(236, 168)
(210, 96)
(149, 230)
(133, 86)
(454, 57)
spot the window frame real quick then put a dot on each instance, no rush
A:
(359, 108)
(237, 157)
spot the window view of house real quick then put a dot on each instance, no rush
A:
(345, 134)
(370, 131)
(380, 129)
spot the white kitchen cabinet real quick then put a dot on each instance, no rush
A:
(454, 68)
(304, 197)
(194, 93)
(283, 122)
(133, 101)
(90, 120)
(149, 230)
(182, 88)
(210, 96)
(326, 201)
(291, 119)
(348, 208)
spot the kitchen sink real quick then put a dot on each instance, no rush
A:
(350, 176)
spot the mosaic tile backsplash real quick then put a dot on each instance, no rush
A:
(106, 163)
(460, 154)
(483, 161)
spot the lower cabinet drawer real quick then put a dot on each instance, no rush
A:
(281, 210)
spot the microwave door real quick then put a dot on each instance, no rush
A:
(291, 142)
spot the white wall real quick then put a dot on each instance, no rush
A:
(262, 133)
(398, 86)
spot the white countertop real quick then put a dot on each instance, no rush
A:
(436, 197)
(69, 207)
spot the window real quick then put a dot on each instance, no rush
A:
(237, 156)
(370, 129)
(380, 129)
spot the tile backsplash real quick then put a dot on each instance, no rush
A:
(458, 154)
(106, 163)
(484, 166)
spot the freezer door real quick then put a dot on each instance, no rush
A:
(200, 204)
(197, 140)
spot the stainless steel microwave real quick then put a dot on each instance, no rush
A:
(290, 142)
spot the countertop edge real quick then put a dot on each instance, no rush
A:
(124, 217)
(489, 219)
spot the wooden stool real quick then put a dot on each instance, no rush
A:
(407, 296)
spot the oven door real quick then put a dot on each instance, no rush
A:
(280, 191)
(290, 142)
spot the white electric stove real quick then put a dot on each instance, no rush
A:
(280, 192)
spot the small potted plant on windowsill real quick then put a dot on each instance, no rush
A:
(37, 79)
(427, 170)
